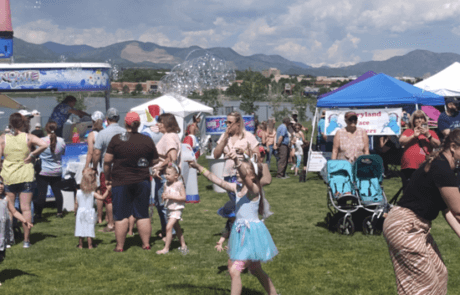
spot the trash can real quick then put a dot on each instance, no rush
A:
(216, 166)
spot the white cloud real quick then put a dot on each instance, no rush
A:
(384, 54)
(42, 31)
(242, 48)
(456, 30)
(157, 37)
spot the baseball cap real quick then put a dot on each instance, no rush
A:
(113, 114)
(97, 115)
(132, 117)
(25, 113)
(38, 125)
(451, 99)
(348, 115)
(295, 112)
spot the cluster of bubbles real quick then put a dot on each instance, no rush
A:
(115, 72)
(198, 74)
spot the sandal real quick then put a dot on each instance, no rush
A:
(117, 250)
(162, 253)
(146, 248)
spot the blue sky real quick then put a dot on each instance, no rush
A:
(315, 32)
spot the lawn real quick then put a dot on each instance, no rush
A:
(311, 260)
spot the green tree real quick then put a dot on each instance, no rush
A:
(139, 88)
(323, 90)
(209, 98)
(233, 90)
(125, 89)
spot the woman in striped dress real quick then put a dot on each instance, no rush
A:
(433, 187)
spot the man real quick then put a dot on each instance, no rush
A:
(450, 119)
(63, 111)
(100, 147)
(282, 144)
(323, 141)
(38, 132)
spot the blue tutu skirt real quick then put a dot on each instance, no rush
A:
(251, 240)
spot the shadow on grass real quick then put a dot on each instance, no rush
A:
(8, 274)
(203, 290)
(209, 187)
(37, 237)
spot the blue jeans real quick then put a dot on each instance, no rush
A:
(269, 156)
(159, 204)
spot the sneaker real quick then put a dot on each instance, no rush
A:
(8, 246)
(26, 245)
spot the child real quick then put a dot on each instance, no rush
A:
(86, 215)
(9, 233)
(5, 225)
(250, 242)
(174, 197)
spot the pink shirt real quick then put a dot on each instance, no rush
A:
(241, 143)
(350, 147)
(169, 141)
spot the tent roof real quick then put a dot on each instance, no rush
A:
(8, 102)
(380, 90)
(444, 83)
(180, 106)
(357, 80)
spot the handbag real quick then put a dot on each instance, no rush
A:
(68, 185)
(38, 165)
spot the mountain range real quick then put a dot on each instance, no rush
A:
(130, 54)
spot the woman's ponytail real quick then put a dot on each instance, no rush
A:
(50, 128)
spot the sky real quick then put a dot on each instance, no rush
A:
(315, 32)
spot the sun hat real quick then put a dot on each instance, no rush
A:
(26, 113)
(132, 117)
(38, 125)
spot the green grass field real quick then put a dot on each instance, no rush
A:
(311, 260)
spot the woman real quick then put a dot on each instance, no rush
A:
(192, 129)
(126, 167)
(350, 142)
(298, 140)
(270, 140)
(18, 169)
(62, 112)
(433, 187)
(418, 142)
(51, 171)
(168, 151)
(98, 118)
(234, 137)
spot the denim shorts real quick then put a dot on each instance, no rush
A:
(17, 188)
(131, 199)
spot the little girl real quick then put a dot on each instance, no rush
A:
(250, 241)
(86, 215)
(174, 197)
(5, 225)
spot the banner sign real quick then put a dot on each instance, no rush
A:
(216, 125)
(374, 121)
(318, 160)
(64, 79)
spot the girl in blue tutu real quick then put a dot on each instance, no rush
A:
(250, 241)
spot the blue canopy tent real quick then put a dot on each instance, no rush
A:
(377, 91)
(364, 76)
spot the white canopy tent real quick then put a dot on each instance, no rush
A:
(181, 107)
(444, 83)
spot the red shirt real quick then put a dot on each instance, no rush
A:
(415, 152)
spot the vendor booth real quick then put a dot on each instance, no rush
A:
(444, 83)
(58, 77)
(369, 98)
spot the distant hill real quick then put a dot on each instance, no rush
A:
(139, 54)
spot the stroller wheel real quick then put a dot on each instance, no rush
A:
(345, 226)
(370, 226)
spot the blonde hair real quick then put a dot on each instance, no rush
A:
(88, 182)
(417, 113)
(452, 138)
(239, 119)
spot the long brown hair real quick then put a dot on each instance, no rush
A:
(452, 138)
(17, 121)
(88, 181)
(238, 118)
(169, 122)
(97, 125)
(50, 128)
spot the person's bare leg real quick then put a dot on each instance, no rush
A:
(25, 199)
(132, 220)
(263, 278)
(180, 235)
(121, 228)
(100, 208)
(90, 243)
(169, 228)
(144, 227)
(11, 198)
(109, 213)
(235, 274)
(80, 243)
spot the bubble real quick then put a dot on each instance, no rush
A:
(198, 74)
(124, 136)
(143, 162)
(62, 58)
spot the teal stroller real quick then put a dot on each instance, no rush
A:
(342, 195)
(368, 177)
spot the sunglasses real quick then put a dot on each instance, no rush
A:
(353, 119)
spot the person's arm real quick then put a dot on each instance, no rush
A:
(231, 187)
(433, 138)
(445, 132)
(108, 159)
(40, 145)
(18, 215)
(104, 196)
(451, 196)
(266, 171)
(404, 139)
(247, 179)
(335, 147)
(452, 221)
(89, 155)
(79, 113)
(96, 155)
(219, 149)
(382, 143)
(264, 138)
(366, 143)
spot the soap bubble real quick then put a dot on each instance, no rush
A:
(198, 74)
(62, 58)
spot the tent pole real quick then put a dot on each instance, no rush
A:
(311, 141)
(416, 106)
(107, 100)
